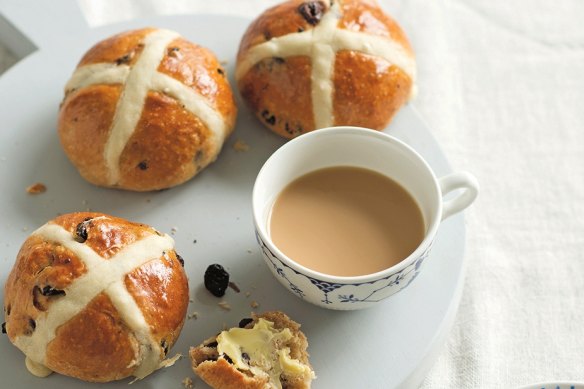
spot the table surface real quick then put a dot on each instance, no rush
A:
(502, 86)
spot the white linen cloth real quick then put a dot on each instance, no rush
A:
(501, 83)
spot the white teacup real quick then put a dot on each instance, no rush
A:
(359, 147)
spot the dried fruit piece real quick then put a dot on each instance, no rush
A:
(174, 52)
(312, 11)
(4, 327)
(50, 291)
(39, 296)
(81, 230)
(164, 345)
(181, 260)
(124, 59)
(37, 301)
(226, 357)
(31, 327)
(216, 280)
(269, 118)
(244, 322)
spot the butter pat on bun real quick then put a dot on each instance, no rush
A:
(267, 351)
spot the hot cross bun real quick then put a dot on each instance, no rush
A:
(304, 65)
(145, 110)
(95, 297)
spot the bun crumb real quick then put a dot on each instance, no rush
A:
(37, 188)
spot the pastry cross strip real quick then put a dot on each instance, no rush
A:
(321, 44)
(138, 80)
(102, 276)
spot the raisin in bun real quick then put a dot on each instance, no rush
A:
(95, 297)
(266, 351)
(304, 65)
(145, 110)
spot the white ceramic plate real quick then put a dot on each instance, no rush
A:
(391, 345)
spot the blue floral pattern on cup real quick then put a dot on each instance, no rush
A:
(365, 293)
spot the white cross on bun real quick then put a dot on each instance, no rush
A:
(95, 297)
(304, 65)
(145, 110)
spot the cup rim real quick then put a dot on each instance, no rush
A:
(262, 230)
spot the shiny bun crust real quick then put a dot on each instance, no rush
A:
(95, 297)
(145, 110)
(304, 65)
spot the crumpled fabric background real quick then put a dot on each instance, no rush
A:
(501, 84)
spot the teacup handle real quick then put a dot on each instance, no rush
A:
(453, 181)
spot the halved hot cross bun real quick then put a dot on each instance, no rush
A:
(266, 351)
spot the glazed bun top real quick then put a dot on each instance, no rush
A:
(304, 65)
(95, 297)
(145, 110)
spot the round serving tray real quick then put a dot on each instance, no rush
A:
(391, 345)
